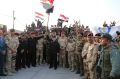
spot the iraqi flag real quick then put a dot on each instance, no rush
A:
(63, 17)
(39, 15)
(47, 4)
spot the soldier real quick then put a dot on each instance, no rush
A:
(32, 41)
(39, 55)
(71, 50)
(91, 57)
(12, 45)
(32, 49)
(78, 51)
(109, 62)
(53, 50)
(84, 55)
(63, 43)
(21, 52)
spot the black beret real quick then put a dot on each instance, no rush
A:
(97, 34)
(89, 34)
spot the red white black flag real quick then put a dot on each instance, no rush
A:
(64, 18)
(47, 4)
(39, 15)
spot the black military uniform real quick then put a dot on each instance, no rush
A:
(32, 51)
(54, 49)
(21, 54)
(18, 56)
(32, 41)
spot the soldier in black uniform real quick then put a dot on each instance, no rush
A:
(24, 51)
(54, 50)
(21, 53)
(32, 41)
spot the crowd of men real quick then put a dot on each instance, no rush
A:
(77, 48)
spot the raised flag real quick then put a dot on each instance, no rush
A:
(47, 4)
(50, 10)
(63, 17)
(39, 15)
(51, 1)
(48, 1)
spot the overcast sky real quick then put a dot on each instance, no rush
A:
(90, 12)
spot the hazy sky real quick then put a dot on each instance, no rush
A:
(90, 12)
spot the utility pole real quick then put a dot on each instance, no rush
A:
(13, 19)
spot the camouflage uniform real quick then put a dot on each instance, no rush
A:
(104, 64)
(84, 54)
(78, 55)
(12, 42)
(63, 44)
(104, 61)
(91, 60)
(71, 49)
(39, 55)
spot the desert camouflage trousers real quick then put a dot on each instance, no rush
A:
(62, 58)
(10, 61)
(39, 56)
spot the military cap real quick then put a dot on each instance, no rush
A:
(106, 35)
(85, 35)
(89, 34)
(117, 32)
(97, 34)
(17, 34)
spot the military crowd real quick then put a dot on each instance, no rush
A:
(77, 48)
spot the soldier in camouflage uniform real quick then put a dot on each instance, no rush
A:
(109, 61)
(39, 53)
(71, 50)
(78, 55)
(63, 43)
(12, 45)
(84, 55)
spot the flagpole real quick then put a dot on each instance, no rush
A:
(48, 22)
(13, 19)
